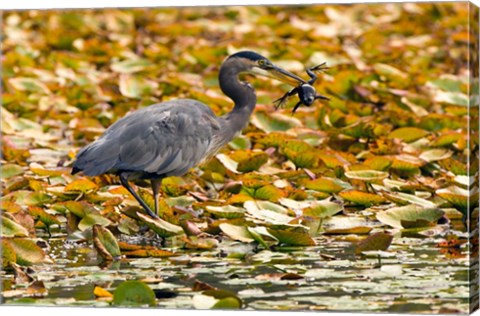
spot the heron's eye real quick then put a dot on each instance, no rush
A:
(264, 63)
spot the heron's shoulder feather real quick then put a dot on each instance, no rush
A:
(165, 139)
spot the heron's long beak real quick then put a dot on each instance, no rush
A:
(280, 74)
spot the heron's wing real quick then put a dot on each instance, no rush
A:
(167, 142)
(164, 139)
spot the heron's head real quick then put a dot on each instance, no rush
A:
(253, 63)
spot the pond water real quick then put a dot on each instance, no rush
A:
(414, 276)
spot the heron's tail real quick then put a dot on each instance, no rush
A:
(95, 159)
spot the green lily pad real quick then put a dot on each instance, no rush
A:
(436, 154)
(133, 294)
(378, 241)
(457, 196)
(130, 65)
(227, 211)
(323, 209)
(346, 225)
(292, 237)
(217, 299)
(93, 219)
(270, 122)
(408, 134)
(366, 175)
(11, 170)
(27, 252)
(324, 185)
(161, 227)
(362, 198)
(411, 216)
(405, 198)
(9, 228)
(105, 243)
(8, 254)
(235, 232)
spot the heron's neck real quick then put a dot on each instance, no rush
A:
(242, 95)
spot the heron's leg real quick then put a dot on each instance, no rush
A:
(124, 181)
(156, 188)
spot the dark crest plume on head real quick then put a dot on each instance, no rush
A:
(248, 55)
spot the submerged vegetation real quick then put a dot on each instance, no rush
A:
(359, 203)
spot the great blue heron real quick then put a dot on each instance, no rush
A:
(169, 138)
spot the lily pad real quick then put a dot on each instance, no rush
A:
(323, 209)
(292, 237)
(408, 134)
(324, 185)
(161, 227)
(378, 241)
(366, 175)
(10, 228)
(227, 211)
(27, 252)
(133, 294)
(410, 216)
(436, 154)
(362, 198)
(217, 299)
(105, 243)
(239, 233)
(457, 196)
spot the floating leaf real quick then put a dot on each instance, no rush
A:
(292, 237)
(362, 198)
(323, 209)
(227, 211)
(105, 243)
(408, 134)
(435, 154)
(390, 72)
(346, 225)
(270, 122)
(366, 175)
(457, 196)
(239, 233)
(9, 228)
(81, 185)
(135, 86)
(413, 215)
(378, 241)
(27, 252)
(217, 299)
(93, 219)
(262, 236)
(405, 198)
(29, 85)
(101, 292)
(250, 160)
(130, 65)
(257, 206)
(8, 254)
(134, 294)
(324, 185)
(161, 227)
(378, 163)
(148, 253)
(11, 170)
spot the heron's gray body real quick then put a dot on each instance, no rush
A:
(169, 138)
(164, 139)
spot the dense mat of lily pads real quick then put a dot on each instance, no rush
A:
(355, 204)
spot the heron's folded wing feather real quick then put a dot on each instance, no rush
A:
(166, 145)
